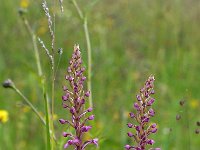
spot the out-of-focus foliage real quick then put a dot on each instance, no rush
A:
(131, 39)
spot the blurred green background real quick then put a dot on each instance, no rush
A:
(131, 39)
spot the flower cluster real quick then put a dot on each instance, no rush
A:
(74, 100)
(142, 116)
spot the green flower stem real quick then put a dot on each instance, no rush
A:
(47, 107)
(53, 37)
(47, 118)
(49, 122)
(29, 104)
(52, 102)
(80, 13)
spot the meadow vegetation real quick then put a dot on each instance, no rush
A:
(130, 40)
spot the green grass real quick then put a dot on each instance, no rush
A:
(130, 41)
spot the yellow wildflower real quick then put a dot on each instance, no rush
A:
(24, 4)
(3, 116)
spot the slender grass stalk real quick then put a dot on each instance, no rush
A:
(47, 118)
(52, 101)
(9, 84)
(61, 6)
(53, 54)
(51, 26)
(80, 13)
(53, 69)
(28, 103)
(40, 73)
(89, 83)
(35, 47)
(89, 52)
